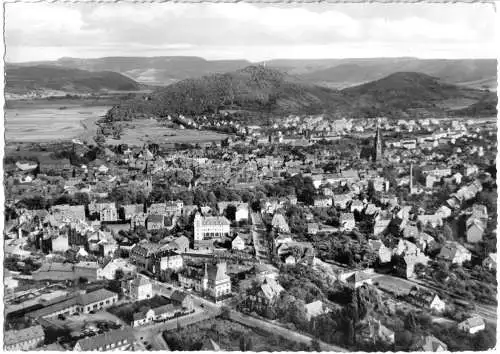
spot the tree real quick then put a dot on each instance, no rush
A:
(230, 212)
(315, 345)
(411, 322)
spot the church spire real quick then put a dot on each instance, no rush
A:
(377, 152)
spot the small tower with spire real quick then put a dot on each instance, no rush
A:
(377, 151)
(204, 283)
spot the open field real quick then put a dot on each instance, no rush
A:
(144, 131)
(49, 124)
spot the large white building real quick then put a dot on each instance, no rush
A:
(210, 227)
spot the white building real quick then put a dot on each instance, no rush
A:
(210, 227)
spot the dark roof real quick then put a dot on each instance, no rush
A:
(95, 296)
(178, 296)
(100, 341)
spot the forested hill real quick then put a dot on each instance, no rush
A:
(23, 79)
(261, 89)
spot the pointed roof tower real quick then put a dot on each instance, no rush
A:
(377, 151)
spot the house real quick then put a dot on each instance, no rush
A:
(475, 229)
(429, 344)
(347, 221)
(312, 228)
(169, 261)
(214, 282)
(155, 222)
(455, 253)
(114, 340)
(238, 243)
(322, 202)
(376, 331)
(144, 254)
(490, 262)
(472, 325)
(479, 211)
(381, 224)
(279, 223)
(210, 227)
(384, 253)
(130, 210)
(60, 244)
(316, 308)
(268, 292)
(432, 220)
(24, 339)
(179, 244)
(424, 241)
(427, 299)
(359, 278)
(341, 200)
(138, 288)
(183, 300)
(143, 317)
(357, 205)
(110, 269)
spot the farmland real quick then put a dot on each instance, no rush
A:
(140, 132)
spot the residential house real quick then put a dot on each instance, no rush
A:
(341, 200)
(155, 222)
(472, 325)
(490, 262)
(432, 220)
(312, 228)
(179, 244)
(279, 223)
(268, 292)
(357, 205)
(60, 244)
(25, 339)
(429, 344)
(316, 308)
(145, 253)
(381, 224)
(322, 202)
(114, 340)
(427, 299)
(238, 243)
(214, 282)
(110, 269)
(455, 253)
(130, 210)
(475, 229)
(169, 261)
(384, 253)
(347, 221)
(359, 278)
(138, 288)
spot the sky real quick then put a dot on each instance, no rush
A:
(256, 32)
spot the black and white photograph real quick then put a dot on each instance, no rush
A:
(245, 176)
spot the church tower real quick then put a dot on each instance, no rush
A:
(377, 151)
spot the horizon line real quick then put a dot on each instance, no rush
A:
(250, 61)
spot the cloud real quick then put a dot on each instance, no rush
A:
(48, 30)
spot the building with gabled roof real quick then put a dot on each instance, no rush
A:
(472, 325)
(454, 252)
(114, 340)
(24, 339)
(429, 344)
